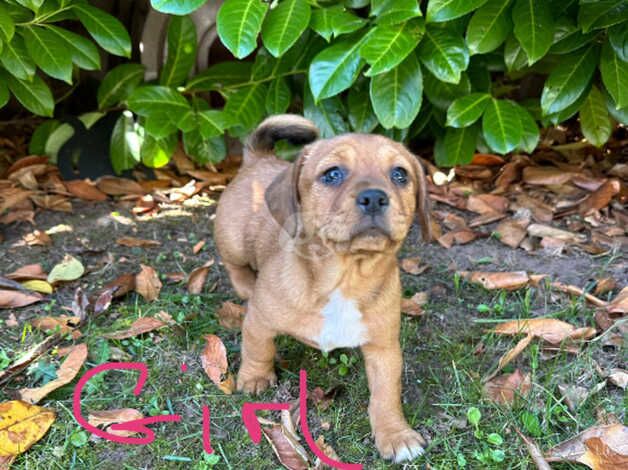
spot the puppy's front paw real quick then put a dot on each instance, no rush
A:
(255, 384)
(400, 446)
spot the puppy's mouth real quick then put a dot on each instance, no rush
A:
(371, 227)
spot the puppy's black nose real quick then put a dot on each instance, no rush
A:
(372, 201)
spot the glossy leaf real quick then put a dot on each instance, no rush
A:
(176, 7)
(396, 95)
(247, 105)
(15, 59)
(442, 94)
(284, 24)
(155, 153)
(202, 150)
(221, 75)
(594, 120)
(515, 57)
(118, 84)
(334, 21)
(444, 54)
(181, 51)
(239, 24)
(568, 80)
(501, 126)
(335, 68)
(466, 110)
(124, 148)
(489, 27)
(456, 147)
(48, 52)
(618, 38)
(7, 25)
(211, 123)
(159, 125)
(530, 130)
(106, 30)
(84, 52)
(34, 95)
(445, 10)
(361, 115)
(279, 97)
(327, 115)
(385, 47)
(149, 99)
(614, 75)
(534, 27)
(389, 12)
(601, 14)
(4, 90)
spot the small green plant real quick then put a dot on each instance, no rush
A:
(208, 461)
(487, 453)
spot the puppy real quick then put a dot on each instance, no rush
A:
(311, 245)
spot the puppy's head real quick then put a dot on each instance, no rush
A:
(354, 192)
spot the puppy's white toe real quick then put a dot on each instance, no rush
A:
(408, 453)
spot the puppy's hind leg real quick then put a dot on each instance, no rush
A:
(242, 278)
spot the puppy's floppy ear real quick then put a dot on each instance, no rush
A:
(282, 197)
(422, 201)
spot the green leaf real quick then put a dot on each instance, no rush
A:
(489, 27)
(181, 51)
(445, 10)
(530, 130)
(326, 114)
(106, 30)
(239, 24)
(204, 151)
(568, 112)
(361, 115)
(389, 12)
(247, 105)
(84, 53)
(176, 7)
(159, 125)
(37, 144)
(33, 5)
(568, 80)
(279, 97)
(515, 57)
(601, 14)
(334, 21)
(444, 54)
(212, 123)
(501, 126)
(572, 42)
(466, 110)
(48, 52)
(155, 153)
(125, 144)
(335, 68)
(7, 25)
(284, 25)
(621, 114)
(384, 47)
(594, 120)
(57, 138)
(221, 75)
(150, 99)
(118, 84)
(456, 147)
(618, 38)
(442, 94)
(614, 75)
(4, 90)
(396, 95)
(15, 59)
(534, 27)
(473, 416)
(34, 95)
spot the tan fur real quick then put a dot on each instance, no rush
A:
(288, 242)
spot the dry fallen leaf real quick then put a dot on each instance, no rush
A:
(619, 377)
(510, 355)
(24, 359)
(599, 447)
(290, 453)
(114, 186)
(487, 203)
(414, 305)
(66, 373)
(545, 176)
(231, 315)
(546, 231)
(328, 451)
(85, 190)
(147, 283)
(573, 290)
(605, 285)
(412, 265)
(535, 452)
(16, 299)
(619, 305)
(497, 280)
(63, 324)
(37, 238)
(549, 329)
(138, 327)
(121, 285)
(511, 232)
(198, 276)
(198, 247)
(214, 362)
(105, 418)
(28, 272)
(504, 388)
(21, 426)
(70, 269)
(601, 197)
(574, 395)
(137, 242)
(38, 286)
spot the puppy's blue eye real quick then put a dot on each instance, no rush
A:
(399, 176)
(333, 176)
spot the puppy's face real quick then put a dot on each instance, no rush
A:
(356, 193)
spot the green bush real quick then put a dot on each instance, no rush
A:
(446, 69)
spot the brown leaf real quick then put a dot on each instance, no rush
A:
(497, 280)
(105, 418)
(511, 355)
(619, 305)
(63, 324)
(101, 301)
(53, 202)
(16, 299)
(546, 176)
(504, 388)
(412, 265)
(214, 359)
(600, 198)
(6, 461)
(11, 322)
(289, 452)
(543, 231)
(66, 373)
(414, 305)
(175, 277)
(147, 283)
(181, 161)
(28, 272)
(37, 238)
(138, 327)
(541, 212)
(137, 242)
(599, 447)
(18, 216)
(21, 426)
(487, 218)
(231, 315)
(535, 452)
(114, 186)
(121, 285)
(487, 159)
(197, 278)
(33, 353)
(84, 189)
(619, 377)
(328, 451)
(511, 232)
(549, 329)
(573, 290)
(11, 197)
(198, 247)
(487, 203)
(604, 285)
(459, 237)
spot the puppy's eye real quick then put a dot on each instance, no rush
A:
(399, 176)
(333, 176)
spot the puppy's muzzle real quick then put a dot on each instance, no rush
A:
(372, 202)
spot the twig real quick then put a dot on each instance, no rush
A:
(573, 290)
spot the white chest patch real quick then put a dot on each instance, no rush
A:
(342, 324)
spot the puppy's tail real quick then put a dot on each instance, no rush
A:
(291, 127)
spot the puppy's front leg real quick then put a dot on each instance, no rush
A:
(256, 372)
(394, 438)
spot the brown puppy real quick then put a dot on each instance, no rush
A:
(312, 246)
